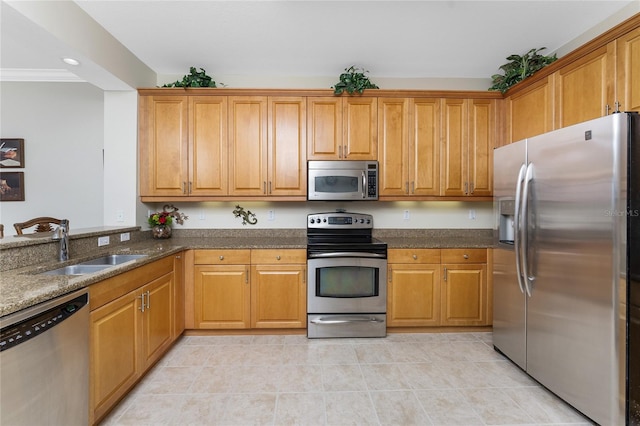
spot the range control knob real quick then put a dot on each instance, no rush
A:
(311, 220)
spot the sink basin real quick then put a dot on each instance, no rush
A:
(95, 265)
(77, 270)
(113, 259)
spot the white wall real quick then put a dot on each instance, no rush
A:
(422, 214)
(62, 127)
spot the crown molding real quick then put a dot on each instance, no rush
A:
(42, 75)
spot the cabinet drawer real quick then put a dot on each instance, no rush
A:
(464, 256)
(278, 256)
(222, 257)
(414, 256)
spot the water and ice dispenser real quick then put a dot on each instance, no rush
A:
(507, 225)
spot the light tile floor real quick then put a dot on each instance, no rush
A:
(403, 379)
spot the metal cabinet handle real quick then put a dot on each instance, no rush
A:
(264, 186)
(466, 188)
(413, 187)
(269, 187)
(246, 276)
(221, 257)
(415, 257)
(617, 105)
(190, 183)
(406, 187)
(184, 187)
(471, 188)
(141, 297)
(340, 151)
(148, 300)
(277, 257)
(466, 256)
(445, 273)
(606, 109)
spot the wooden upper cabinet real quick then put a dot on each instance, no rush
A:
(585, 88)
(482, 135)
(360, 140)
(208, 145)
(163, 133)
(454, 147)
(183, 145)
(468, 127)
(267, 147)
(287, 146)
(409, 146)
(393, 152)
(530, 111)
(628, 70)
(342, 128)
(424, 147)
(247, 145)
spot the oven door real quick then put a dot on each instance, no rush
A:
(344, 283)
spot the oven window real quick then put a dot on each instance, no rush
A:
(336, 184)
(347, 281)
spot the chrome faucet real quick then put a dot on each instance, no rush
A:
(62, 233)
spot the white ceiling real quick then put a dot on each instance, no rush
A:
(391, 39)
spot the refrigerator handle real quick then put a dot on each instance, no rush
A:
(524, 237)
(516, 226)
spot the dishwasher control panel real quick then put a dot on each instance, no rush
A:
(15, 334)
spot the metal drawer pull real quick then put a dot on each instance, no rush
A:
(466, 256)
(221, 257)
(415, 257)
(277, 257)
(321, 321)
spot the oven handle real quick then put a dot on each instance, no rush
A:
(346, 254)
(321, 321)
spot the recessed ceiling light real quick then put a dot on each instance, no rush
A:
(71, 61)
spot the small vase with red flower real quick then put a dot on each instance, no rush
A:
(160, 222)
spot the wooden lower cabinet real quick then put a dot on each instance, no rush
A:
(242, 289)
(424, 289)
(126, 338)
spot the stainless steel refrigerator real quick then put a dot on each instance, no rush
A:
(567, 261)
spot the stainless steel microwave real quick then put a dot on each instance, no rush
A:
(342, 180)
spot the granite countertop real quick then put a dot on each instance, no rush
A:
(24, 287)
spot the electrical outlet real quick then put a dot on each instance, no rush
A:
(125, 236)
(406, 215)
(271, 215)
(103, 241)
(472, 214)
(201, 215)
(119, 216)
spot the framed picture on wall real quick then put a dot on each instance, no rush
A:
(11, 186)
(12, 153)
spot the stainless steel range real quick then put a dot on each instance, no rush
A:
(347, 277)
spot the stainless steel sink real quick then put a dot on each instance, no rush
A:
(95, 265)
(77, 270)
(113, 259)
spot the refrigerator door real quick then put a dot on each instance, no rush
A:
(572, 266)
(509, 302)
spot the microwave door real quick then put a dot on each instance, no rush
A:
(336, 185)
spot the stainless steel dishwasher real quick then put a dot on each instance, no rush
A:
(44, 363)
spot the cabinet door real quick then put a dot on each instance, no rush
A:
(464, 294)
(115, 351)
(247, 145)
(628, 69)
(208, 145)
(393, 129)
(530, 112)
(413, 295)
(585, 87)
(360, 130)
(163, 145)
(424, 147)
(482, 135)
(454, 147)
(222, 296)
(279, 296)
(324, 128)
(157, 318)
(287, 146)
